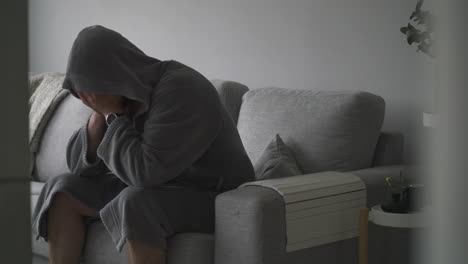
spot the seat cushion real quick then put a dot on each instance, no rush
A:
(68, 117)
(191, 248)
(184, 248)
(327, 130)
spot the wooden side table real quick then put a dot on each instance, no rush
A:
(377, 216)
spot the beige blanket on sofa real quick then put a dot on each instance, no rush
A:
(46, 94)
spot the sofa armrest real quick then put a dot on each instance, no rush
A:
(250, 227)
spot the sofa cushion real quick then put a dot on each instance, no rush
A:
(184, 248)
(327, 130)
(276, 161)
(191, 248)
(68, 117)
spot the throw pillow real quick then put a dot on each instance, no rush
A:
(276, 161)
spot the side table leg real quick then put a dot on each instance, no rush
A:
(364, 236)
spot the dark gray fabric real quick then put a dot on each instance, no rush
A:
(231, 95)
(103, 61)
(183, 117)
(89, 191)
(71, 115)
(76, 155)
(250, 228)
(276, 161)
(327, 130)
(164, 163)
(161, 212)
(389, 149)
(150, 215)
(39, 247)
(183, 248)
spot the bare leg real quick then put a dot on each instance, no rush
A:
(66, 230)
(139, 253)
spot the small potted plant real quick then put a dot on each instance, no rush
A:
(406, 197)
(399, 193)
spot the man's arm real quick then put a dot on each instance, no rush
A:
(183, 121)
(82, 146)
(96, 130)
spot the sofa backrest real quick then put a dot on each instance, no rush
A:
(326, 130)
(68, 117)
(389, 149)
(72, 114)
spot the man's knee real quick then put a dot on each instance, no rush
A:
(66, 203)
(62, 200)
(131, 194)
(130, 198)
(62, 179)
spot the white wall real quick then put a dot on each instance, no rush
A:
(306, 44)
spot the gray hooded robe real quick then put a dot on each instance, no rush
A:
(158, 171)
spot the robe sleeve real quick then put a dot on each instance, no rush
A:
(76, 155)
(181, 125)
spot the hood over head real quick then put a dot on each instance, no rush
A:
(103, 61)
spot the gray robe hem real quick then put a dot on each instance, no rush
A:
(119, 236)
(39, 224)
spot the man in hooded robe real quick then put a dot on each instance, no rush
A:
(151, 159)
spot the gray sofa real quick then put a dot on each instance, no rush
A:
(326, 130)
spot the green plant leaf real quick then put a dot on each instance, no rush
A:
(404, 30)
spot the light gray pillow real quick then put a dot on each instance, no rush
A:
(276, 161)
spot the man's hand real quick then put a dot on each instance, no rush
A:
(96, 130)
(102, 103)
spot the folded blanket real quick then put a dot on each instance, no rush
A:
(46, 94)
(320, 208)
